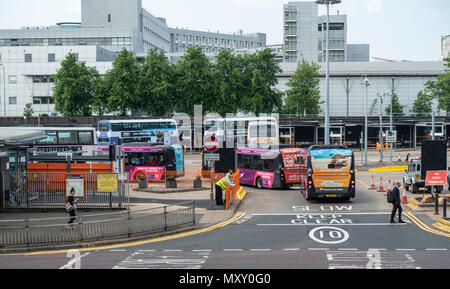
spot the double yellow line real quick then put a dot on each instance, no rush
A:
(424, 227)
(237, 217)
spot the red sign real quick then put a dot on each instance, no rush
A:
(436, 178)
(212, 144)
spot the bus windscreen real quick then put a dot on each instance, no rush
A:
(331, 159)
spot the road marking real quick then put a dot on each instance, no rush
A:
(436, 249)
(262, 250)
(169, 250)
(233, 250)
(318, 249)
(75, 262)
(202, 250)
(369, 224)
(292, 249)
(117, 250)
(155, 240)
(405, 249)
(347, 249)
(424, 227)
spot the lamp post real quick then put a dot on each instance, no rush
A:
(366, 84)
(327, 100)
(4, 89)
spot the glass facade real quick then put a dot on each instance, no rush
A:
(105, 41)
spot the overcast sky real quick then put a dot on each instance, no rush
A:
(398, 29)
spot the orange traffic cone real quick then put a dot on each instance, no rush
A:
(381, 188)
(399, 158)
(372, 185)
(389, 187)
(404, 198)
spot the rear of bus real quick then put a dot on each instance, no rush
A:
(331, 173)
(263, 134)
(294, 167)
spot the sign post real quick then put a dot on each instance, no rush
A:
(436, 178)
(211, 145)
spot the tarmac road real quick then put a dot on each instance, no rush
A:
(276, 229)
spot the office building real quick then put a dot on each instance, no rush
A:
(445, 46)
(305, 35)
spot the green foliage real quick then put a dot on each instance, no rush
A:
(156, 84)
(120, 85)
(423, 104)
(303, 95)
(75, 87)
(397, 108)
(28, 110)
(194, 82)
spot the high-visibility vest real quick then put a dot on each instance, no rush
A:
(222, 183)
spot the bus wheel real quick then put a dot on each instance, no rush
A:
(259, 183)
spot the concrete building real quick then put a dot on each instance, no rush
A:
(347, 95)
(445, 46)
(358, 52)
(305, 37)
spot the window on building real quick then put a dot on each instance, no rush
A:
(109, 17)
(12, 79)
(43, 100)
(28, 58)
(51, 57)
(13, 100)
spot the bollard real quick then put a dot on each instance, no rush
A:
(444, 209)
(436, 204)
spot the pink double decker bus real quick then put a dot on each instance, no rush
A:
(265, 168)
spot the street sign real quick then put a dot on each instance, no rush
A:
(212, 144)
(391, 136)
(436, 178)
(211, 157)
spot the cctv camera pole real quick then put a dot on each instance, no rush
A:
(390, 127)
(381, 127)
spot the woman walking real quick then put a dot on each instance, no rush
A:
(71, 209)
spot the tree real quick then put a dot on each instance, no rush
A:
(75, 87)
(397, 108)
(423, 104)
(303, 94)
(156, 84)
(28, 110)
(121, 85)
(194, 82)
(261, 72)
(441, 88)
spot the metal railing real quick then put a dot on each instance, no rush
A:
(95, 227)
(49, 191)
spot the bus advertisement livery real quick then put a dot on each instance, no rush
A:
(330, 173)
(264, 168)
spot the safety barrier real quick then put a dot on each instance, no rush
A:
(41, 190)
(95, 227)
(231, 191)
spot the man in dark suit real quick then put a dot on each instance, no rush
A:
(396, 202)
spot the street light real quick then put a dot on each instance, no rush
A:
(365, 83)
(327, 99)
(4, 89)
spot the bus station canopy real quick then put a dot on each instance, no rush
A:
(12, 136)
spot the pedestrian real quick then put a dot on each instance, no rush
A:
(222, 186)
(396, 203)
(71, 205)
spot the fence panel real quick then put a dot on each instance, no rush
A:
(48, 191)
(95, 227)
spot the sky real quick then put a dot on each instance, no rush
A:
(395, 29)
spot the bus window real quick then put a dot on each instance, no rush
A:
(51, 138)
(67, 137)
(103, 127)
(85, 137)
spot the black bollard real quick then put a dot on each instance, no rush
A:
(444, 209)
(436, 204)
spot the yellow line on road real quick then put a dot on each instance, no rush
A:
(424, 227)
(138, 243)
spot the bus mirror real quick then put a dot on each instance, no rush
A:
(181, 136)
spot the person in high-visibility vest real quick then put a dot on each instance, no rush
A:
(222, 186)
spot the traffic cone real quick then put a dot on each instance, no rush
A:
(389, 187)
(404, 198)
(381, 188)
(372, 185)
(399, 158)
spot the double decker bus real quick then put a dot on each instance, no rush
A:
(330, 173)
(264, 168)
(256, 132)
(152, 131)
(151, 162)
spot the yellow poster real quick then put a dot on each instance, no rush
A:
(107, 183)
